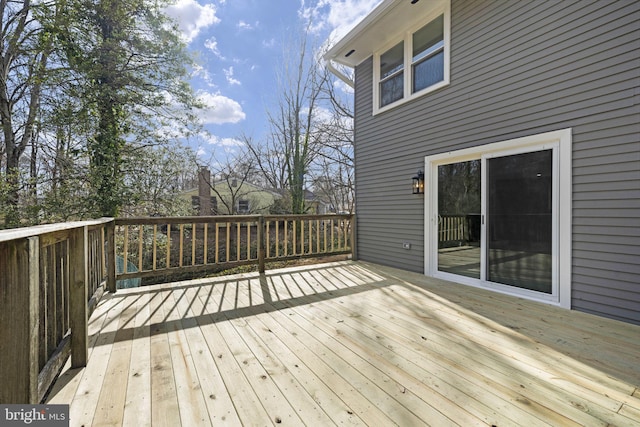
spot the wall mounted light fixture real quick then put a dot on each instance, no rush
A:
(418, 183)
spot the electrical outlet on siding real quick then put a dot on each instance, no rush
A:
(406, 245)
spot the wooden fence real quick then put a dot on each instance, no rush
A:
(156, 247)
(50, 277)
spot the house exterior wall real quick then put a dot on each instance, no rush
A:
(260, 201)
(518, 69)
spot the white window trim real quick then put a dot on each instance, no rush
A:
(561, 139)
(407, 69)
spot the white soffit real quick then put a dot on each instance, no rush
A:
(384, 24)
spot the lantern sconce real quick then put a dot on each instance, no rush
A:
(418, 183)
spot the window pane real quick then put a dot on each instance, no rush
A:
(459, 199)
(428, 54)
(428, 39)
(391, 90)
(243, 206)
(428, 72)
(392, 75)
(520, 220)
(392, 61)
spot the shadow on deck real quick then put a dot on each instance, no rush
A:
(351, 343)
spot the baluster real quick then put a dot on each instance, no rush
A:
(155, 245)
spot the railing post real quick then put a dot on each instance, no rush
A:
(34, 316)
(19, 320)
(354, 235)
(111, 256)
(78, 296)
(261, 243)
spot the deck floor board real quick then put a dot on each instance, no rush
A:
(137, 407)
(348, 343)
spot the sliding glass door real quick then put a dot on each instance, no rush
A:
(495, 218)
(519, 220)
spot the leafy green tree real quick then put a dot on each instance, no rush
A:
(131, 66)
(28, 42)
(83, 84)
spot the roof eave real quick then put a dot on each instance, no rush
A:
(336, 52)
(385, 24)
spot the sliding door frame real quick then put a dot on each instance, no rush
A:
(558, 141)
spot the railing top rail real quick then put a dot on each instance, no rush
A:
(220, 218)
(183, 219)
(37, 230)
(308, 216)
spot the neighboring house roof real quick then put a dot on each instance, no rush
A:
(366, 37)
(310, 196)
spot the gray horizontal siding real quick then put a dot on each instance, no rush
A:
(517, 69)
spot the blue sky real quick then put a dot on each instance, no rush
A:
(239, 44)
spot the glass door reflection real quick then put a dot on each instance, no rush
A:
(459, 219)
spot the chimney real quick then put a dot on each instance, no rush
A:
(204, 191)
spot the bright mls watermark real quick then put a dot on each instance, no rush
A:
(34, 415)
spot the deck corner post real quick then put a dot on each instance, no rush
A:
(261, 244)
(19, 320)
(111, 256)
(78, 296)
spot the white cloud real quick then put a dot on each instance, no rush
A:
(212, 45)
(342, 86)
(225, 142)
(336, 16)
(245, 25)
(219, 109)
(322, 115)
(229, 75)
(192, 17)
(200, 72)
(269, 43)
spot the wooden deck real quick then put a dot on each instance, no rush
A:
(348, 343)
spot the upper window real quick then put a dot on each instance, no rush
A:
(392, 75)
(427, 62)
(243, 206)
(414, 66)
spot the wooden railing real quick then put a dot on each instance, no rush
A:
(452, 228)
(156, 247)
(455, 229)
(52, 276)
(49, 279)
